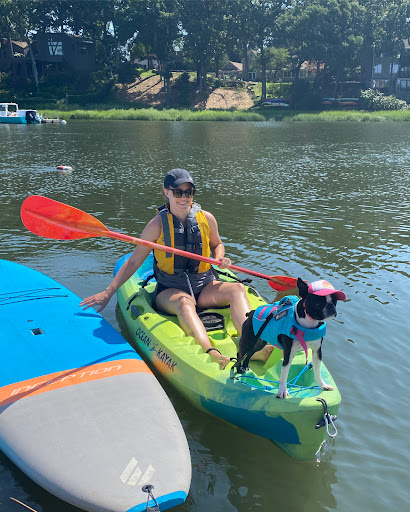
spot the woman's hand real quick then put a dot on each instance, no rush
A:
(225, 263)
(102, 299)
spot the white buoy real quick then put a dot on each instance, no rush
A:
(64, 168)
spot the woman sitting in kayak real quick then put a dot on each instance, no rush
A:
(182, 283)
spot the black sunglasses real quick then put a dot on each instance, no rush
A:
(178, 192)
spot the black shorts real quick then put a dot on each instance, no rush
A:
(161, 287)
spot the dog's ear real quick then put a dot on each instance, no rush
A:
(303, 288)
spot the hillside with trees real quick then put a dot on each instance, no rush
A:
(192, 40)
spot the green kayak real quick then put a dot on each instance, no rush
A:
(298, 424)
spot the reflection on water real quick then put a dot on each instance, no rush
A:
(319, 200)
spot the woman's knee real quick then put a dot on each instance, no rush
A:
(238, 290)
(185, 305)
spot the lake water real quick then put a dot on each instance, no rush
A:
(311, 200)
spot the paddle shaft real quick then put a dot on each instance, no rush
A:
(59, 221)
(180, 252)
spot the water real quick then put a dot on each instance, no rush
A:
(310, 200)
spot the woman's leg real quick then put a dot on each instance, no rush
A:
(179, 303)
(218, 293)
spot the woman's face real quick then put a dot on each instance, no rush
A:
(180, 198)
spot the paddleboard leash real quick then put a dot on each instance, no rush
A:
(149, 488)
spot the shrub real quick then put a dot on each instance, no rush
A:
(371, 99)
(183, 88)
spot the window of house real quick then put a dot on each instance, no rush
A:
(378, 68)
(394, 68)
(55, 47)
(252, 76)
(405, 85)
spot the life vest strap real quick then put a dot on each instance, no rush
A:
(300, 337)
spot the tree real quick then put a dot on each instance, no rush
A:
(264, 17)
(204, 30)
(324, 31)
(157, 29)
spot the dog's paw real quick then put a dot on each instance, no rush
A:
(282, 393)
(326, 387)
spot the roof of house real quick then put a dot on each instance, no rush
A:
(236, 65)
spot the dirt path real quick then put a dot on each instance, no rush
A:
(151, 92)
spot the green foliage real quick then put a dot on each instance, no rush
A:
(151, 114)
(372, 99)
(6, 85)
(128, 72)
(183, 88)
(334, 33)
(278, 90)
(352, 116)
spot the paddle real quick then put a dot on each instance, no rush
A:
(51, 219)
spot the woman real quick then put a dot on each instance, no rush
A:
(182, 283)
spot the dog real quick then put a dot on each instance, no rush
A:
(291, 324)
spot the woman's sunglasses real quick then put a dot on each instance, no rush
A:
(178, 192)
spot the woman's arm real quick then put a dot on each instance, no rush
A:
(151, 233)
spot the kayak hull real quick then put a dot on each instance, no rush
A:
(248, 401)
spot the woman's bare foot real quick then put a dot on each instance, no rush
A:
(217, 357)
(263, 355)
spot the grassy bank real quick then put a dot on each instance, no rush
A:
(152, 114)
(353, 115)
(261, 114)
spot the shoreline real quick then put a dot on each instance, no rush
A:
(258, 115)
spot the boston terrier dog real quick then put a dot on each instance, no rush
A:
(292, 325)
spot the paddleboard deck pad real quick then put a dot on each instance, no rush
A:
(80, 412)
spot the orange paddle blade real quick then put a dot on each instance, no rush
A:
(51, 219)
(282, 283)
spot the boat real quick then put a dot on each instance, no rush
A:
(81, 413)
(347, 102)
(328, 102)
(248, 400)
(277, 102)
(12, 114)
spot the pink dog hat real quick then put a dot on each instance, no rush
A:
(325, 288)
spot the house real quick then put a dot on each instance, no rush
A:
(388, 75)
(232, 70)
(62, 51)
(148, 62)
(52, 51)
(14, 57)
(403, 74)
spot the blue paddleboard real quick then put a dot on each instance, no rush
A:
(80, 412)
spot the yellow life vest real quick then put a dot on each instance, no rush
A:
(192, 238)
